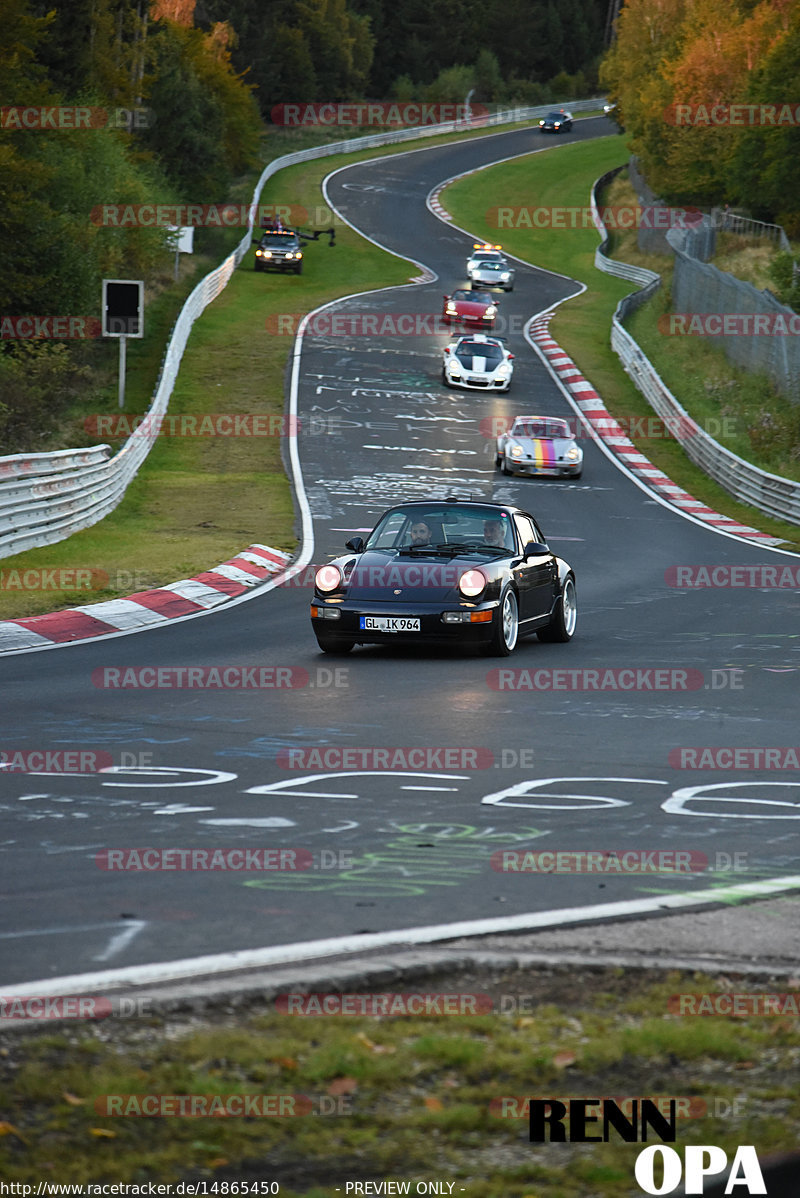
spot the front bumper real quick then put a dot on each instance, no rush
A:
(461, 318)
(479, 382)
(558, 470)
(492, 281)
(278, 263)
(433, 629)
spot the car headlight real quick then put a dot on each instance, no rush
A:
(516, 451)
(266, 253)
(450, 309)
(541, 122)
(572, 454)
(505, 275)
(328, 578)
(491, 310)
(471, 583)
(503, 370)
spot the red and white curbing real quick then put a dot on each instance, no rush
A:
(608, 430)
(436, 205)
(144, 608)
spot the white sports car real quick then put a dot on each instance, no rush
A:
(478, 363)
(487, 267)
(539, 445)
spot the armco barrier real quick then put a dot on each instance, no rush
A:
(770, 493)
(47, 497)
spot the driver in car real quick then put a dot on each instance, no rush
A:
(420, 533)
(493, 534)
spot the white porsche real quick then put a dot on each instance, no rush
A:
(477, 362)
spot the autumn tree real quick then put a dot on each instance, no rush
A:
(700, 55)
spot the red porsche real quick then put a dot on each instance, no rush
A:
(470, 307)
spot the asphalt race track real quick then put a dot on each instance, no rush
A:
(556, 765)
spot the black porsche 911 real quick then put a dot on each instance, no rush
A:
(445, 571)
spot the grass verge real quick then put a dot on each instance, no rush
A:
(562, 181)
(403, 1098)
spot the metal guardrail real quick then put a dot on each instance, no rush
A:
(770, 493)
(745, 226)
(84, 485)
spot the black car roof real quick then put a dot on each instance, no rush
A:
(427, 504)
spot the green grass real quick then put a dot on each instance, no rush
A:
(398, 1097)
(562, 178)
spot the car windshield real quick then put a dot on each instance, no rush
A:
(468, 350)
(473, 297)
(490, 265)
(447, 527)
(275, 240)
(555, 116)
(553, 429)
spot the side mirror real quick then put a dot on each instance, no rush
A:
(355, 544)
(256, 241)
(536, 549)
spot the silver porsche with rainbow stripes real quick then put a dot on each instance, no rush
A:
(539, 445)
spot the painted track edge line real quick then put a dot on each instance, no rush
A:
(219, 964)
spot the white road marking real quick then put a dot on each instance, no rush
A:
(219, 964)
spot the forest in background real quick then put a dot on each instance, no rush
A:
(198, 79)
(201, 78)
(708, 56)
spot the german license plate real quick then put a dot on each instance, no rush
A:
(389, 623)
